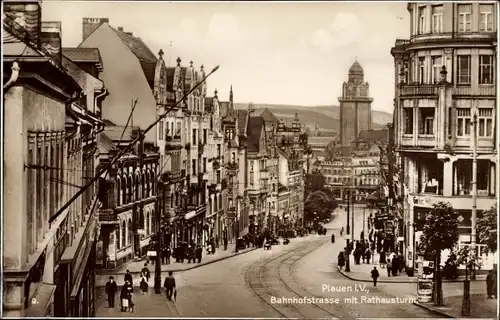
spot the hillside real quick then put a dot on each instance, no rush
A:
(326, 117)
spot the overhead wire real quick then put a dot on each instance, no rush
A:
(142, 134)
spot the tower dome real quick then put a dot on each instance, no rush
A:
(356, 68)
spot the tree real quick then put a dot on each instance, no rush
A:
(468, 257)
(314, 182)
(440, 232)
(487, 228)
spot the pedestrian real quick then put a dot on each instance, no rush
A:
(382, 259)
(341, 260)
(168, 254)
(199, 252)
(144, 285)
(368, 255)
(124, 296)
(342, 231)
(389, 267)
(491, 279)
(130, 294)
(145, 272)
(111, 289)
(225, 242)
(128, 277)
(333, 238)
(169, 285)
(375, 275)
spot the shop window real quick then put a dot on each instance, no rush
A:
(462, 177)
(430, 175)
(426, 121)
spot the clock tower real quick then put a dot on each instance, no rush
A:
(355, 106)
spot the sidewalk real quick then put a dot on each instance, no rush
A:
(480, 307)
(135, 267)
(149, 305)
(362, 272)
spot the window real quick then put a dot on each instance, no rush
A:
(421, 69)
(464, 70)
(193, 165)
(178, 129)
(463, 122)
(485, 122)
(485, 17)
(486, 69)
(30, 205)
(421, 20)
(195, 140)
(204, 164)
(426, 121)
(205, 136)
(464, 17)
(130, 233)
(437, 63)
(218, 151)
(408, 120)
(218, 176)
(160, 130)
(437, 19)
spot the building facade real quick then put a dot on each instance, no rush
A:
(445, 112)
(50, 130)
(355, 106)
(128, 193)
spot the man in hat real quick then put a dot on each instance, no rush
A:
(111, 289)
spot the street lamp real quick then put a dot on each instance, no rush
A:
(474, 189)
(347, 263)
(160, 205)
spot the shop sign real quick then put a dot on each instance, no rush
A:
(424, 290)
(151, 253)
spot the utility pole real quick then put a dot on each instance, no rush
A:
(474, 190)
(160, 205)
(347, 262)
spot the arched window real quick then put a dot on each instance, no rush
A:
(215, 203)
(153, 180)
(147, 185)
(137, 187)
(124, 190)
(210, 206)
(220, 203)
(130, 190)
(124, 235)
(153, 221)
(146, 223)
(130, 233)
(141, 219)
(118, 193)
(143, 186)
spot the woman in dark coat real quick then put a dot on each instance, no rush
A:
(341, 260)
(491, 284)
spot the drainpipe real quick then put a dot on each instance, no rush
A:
(13, 77)
(99, 96)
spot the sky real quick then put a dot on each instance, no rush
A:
(295, 53)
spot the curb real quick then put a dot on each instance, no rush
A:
(444, 314)
(194, 266)
(395, 281)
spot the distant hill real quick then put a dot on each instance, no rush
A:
(326, 117)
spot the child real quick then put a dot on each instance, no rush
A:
(144, 285)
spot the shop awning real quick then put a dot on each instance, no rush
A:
(43, 300)
(190, 215)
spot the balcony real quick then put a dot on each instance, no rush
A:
(419, 90)
(231, 212)
(481, 90)
(108, 216)
(462, 202)
(232, 168)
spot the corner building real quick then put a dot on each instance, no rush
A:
(446, 83)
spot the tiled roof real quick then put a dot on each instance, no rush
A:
(268, 116)
(372, 136)
(104, 144)
(115, 133)
(170, 79)
(142, 52)
(82, 54)
(256, 124)
(242, 121)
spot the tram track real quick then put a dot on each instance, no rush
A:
(259, 280)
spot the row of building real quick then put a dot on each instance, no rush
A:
(204, 171)
(445, 118)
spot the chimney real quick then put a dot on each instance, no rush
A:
(24, 19)
(50, 38)
(90, 25)
(130, 34)
(120, 29)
